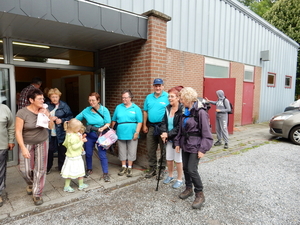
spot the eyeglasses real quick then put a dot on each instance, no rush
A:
(125, 97)
(40, 99)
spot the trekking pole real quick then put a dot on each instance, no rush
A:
(160, 166)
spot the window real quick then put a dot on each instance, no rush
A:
(249, 73)
(288, 82)
(271, 79)
(216, 68)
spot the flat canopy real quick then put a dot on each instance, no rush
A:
(74, 24)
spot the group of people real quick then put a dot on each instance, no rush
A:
(175, 120)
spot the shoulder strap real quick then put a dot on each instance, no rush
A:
(97, 112)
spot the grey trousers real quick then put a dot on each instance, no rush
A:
(3, 162)
(221, 126)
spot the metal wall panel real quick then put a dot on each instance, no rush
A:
(227, 30)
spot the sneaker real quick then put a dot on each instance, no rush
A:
(106, 177)
(122, 171)
(226, 146)
(48, 171)
(1, 201)
(29, 189)
(129, 172)
(88, 173)
(168, 180)
(68, 189)
(177, 184)
(218, 143)
(83, 186)
(151, 172)
(37, 200)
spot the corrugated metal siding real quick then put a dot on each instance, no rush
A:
(225, 29)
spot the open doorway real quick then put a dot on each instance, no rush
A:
(74, 85)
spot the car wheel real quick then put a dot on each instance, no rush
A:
(295, 135)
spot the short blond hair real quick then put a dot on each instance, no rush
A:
(54, 91)
(189, 94)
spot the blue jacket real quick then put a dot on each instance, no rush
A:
(64, 113)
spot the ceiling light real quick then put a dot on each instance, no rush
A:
(30, 45)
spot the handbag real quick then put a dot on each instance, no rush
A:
(107, 139)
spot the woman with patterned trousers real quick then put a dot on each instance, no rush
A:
(33, 144)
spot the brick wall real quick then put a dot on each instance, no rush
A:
(237, 72)
(186, 69)
(134, 66)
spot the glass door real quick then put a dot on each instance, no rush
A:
(8, 97)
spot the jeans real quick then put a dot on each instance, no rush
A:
(190, 170)
(89, 147)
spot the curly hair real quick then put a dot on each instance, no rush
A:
(54, 91)
(189, 94)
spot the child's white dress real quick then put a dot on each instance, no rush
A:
(73, 166)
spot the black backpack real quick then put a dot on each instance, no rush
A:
(231, 106)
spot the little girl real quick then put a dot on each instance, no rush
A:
(73, 166)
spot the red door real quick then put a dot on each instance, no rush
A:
(211, 85)
(247, 109)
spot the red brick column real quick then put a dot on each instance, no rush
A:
(134, 66)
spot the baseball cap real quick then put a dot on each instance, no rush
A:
(158, 81)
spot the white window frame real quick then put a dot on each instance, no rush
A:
(248, 69)
(217, 62)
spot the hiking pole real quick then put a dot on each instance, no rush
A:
(160, 166)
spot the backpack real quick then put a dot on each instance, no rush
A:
(231, 106)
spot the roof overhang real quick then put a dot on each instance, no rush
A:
(76, 24)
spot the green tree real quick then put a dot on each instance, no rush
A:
(260, 8)
(246, 2)
(285, 16)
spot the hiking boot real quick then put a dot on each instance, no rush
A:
(218, 143)
(151, 172)
(123, 171)
(106, 177)
(29, 189)
(37, 200)
(1, 201)
(129, 172)
(199, 200)
(186, 193)
(226, 146)
(88, 173)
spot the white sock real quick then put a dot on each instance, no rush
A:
(129, 166)
(124, 166)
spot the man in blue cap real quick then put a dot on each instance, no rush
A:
(154, 110)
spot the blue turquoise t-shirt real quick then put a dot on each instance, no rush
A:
(93, 118)
(122, 114)
(156, 107)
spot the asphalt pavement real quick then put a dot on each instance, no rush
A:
(18, 204)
